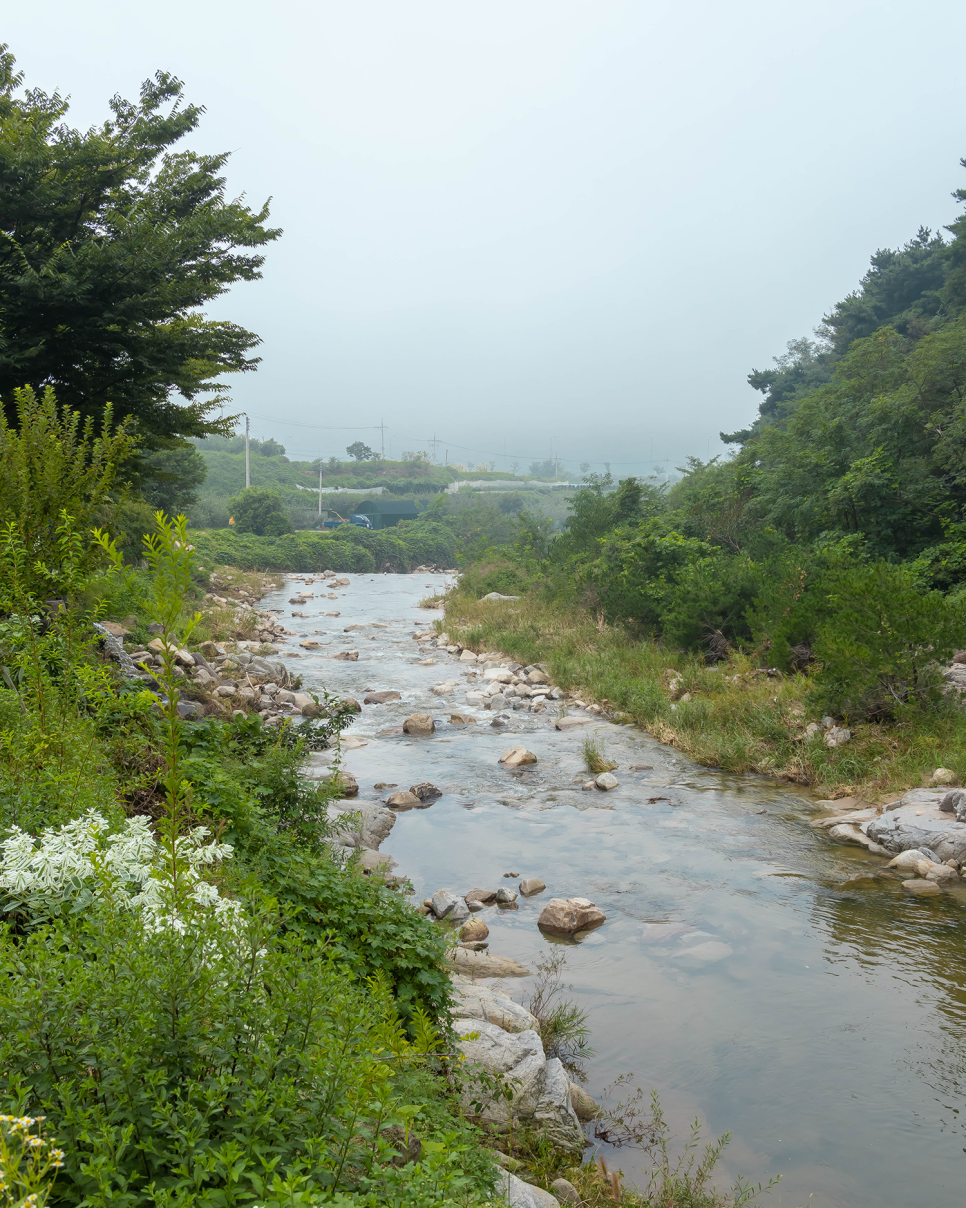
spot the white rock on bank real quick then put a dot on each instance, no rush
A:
(473, 1001)
(541, 1088)
(524, 1195)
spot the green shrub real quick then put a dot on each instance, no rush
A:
(211, 1064)
(52, 465)
(260, 511)
(882, 641)
(131, 522)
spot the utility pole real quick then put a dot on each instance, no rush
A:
(382, 433)
(320, 482)
(248, 473)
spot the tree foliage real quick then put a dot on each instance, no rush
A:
(110, 241)
(260, 511)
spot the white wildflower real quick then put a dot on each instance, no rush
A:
(129, 866)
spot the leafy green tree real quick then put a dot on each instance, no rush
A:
(257, 510)
(595, 510)
(544, 469)
(171, 477)
(110, 241)
(360, 451)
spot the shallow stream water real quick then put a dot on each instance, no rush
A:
(738, 974)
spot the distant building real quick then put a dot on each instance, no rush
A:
(385, 513)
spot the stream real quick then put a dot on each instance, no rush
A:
(739, 973)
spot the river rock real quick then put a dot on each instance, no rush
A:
(916, 821)
(536, 676)
(476, 929)
(485, 896)
(517, 757)
(419, 723)
(449, 905)
(473, 1001)
(484, 964)
(447, 688)
(837, 736)
(907, 859)
(309, 644)
(954, 802)
(566, 916)
(475, 698)
(607, 781)
(571, 723)
(565, 1191)
(944, 777)
(366, 828)
(531, 885)
(541, 1088)
(462, 719)
(467, 657)
(942, 874)
(921, 889)
(380, 698)
(514, 1191)
(425, 791)
(402, 800)
(584, 1107)
(505, 896)
(370, 861)
(497, 704)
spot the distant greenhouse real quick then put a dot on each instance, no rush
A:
(385, 513)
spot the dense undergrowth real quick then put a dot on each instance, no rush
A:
(738, 716)
(347, 548)
(205, 1006)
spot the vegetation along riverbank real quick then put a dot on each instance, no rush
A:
(796, 609)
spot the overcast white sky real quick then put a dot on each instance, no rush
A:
(511, 224)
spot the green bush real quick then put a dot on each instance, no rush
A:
(131, 521)
(637, 568)
(215, 1064)
(52, 465)
(882, 641)
(260, 511)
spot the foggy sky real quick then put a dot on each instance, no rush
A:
(511, 224)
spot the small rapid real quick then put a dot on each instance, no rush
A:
(740, 973)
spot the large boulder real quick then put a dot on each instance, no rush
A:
(474, 1001)
(365, 828)
(566, 916)
(541, 1088)
(916, 820)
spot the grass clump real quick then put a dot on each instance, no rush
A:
(594, 757)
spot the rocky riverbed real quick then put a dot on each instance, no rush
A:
(755, 969)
